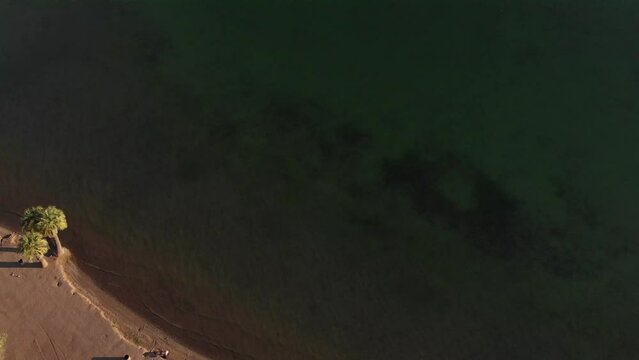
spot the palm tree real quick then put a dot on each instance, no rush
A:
(47, 221)
(52, 221)
(33, 246)
(31, 217)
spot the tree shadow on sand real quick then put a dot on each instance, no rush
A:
(15, 264)
(13, 250)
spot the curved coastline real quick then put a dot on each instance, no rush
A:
(46, 315)
(131, 327)
(155, 320)
(124, 320)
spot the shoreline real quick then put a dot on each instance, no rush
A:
(132, 328)
(133, 297)
(124, 320)
(45, 316)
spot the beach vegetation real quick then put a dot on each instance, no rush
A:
(33, 246)
(46, 221)
(31, 217)
(3, 345)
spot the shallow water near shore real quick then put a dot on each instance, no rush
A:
(339, 180)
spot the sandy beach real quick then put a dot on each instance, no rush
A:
(57, 313)
(137, 314)
(45, 318)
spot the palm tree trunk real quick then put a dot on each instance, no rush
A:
(43, 261)
(58, 245)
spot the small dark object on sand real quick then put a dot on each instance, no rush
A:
(20, 262)
(126, 357)
(157, 353)
(2, 239)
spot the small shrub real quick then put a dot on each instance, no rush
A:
(3, 344)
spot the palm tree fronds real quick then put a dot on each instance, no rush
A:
(32, 245)
(46, 221)
(31, 217)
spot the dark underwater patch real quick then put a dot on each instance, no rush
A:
(495, 223)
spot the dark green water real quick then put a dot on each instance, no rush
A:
(399, 180)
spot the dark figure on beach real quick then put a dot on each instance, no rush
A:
(164, 354)
(126, 357)
(20, 261)
(2, 239)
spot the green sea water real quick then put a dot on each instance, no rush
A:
(398, 180)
